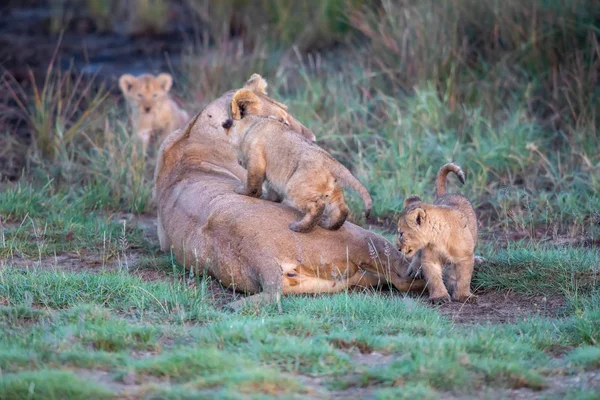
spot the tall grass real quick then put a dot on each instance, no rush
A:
(508, 90)
(542, 53)
(307, 24)
(80, 141)
(57, 111)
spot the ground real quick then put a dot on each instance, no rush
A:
(116, 318)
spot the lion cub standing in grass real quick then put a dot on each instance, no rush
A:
(154, 114)
(444, 232)
(304, 174)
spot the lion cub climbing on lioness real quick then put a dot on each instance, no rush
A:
(444, 232)
(153, 113)
(306, 176)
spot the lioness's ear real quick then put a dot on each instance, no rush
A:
(416, 217)
(126, 83)
(411, 199)
(165, 81)
(257, 84)
(244, 102)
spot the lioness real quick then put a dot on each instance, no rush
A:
(245, 242)
(307, 176)
(446, 231)
(153, 113)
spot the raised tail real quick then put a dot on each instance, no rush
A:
(347, 179)
(440, 180)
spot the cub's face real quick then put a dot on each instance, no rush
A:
(412, 227)
(146, 91)
(248, 102)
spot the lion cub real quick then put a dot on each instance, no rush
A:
(304, 174)
(445, 232)
(154, 114)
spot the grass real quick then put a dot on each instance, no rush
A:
(48, 384)
(118, 323)
(89, 308)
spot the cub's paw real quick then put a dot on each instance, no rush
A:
(272, 195)
(241, 189)
(440, 299)
(298, 227)
(470, 298)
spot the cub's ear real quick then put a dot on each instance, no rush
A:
(257, 84)
(413, 198)
(165, 81)
(416, 217)
(126, 83)
(244, 102)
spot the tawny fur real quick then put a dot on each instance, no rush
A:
(439, 234)
(307, 177)
(154, 114)
(245, 242)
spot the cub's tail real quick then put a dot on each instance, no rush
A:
(440, 180)
(347, 179)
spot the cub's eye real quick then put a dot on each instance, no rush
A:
(400, 234)
(155, 95)
(139, 95)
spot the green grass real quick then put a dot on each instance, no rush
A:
(118, 323)
(49, 384)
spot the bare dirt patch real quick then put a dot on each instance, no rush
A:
(501, 307)
(558, 387)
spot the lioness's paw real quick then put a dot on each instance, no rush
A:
(236, 306)
(415, 271)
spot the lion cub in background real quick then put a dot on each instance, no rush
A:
(154, 114)
(445, 232)
(304, 174)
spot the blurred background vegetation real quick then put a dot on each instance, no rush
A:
(508, 89)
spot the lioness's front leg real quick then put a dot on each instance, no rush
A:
(432, 269)
(414, 268)
(257, 166)
(271, 282)
(464, 273)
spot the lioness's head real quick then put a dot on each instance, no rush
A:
(412, 228)
(145, 91)
(252, 99)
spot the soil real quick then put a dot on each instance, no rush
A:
(494, 307)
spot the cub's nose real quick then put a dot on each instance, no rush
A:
(147, 109)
